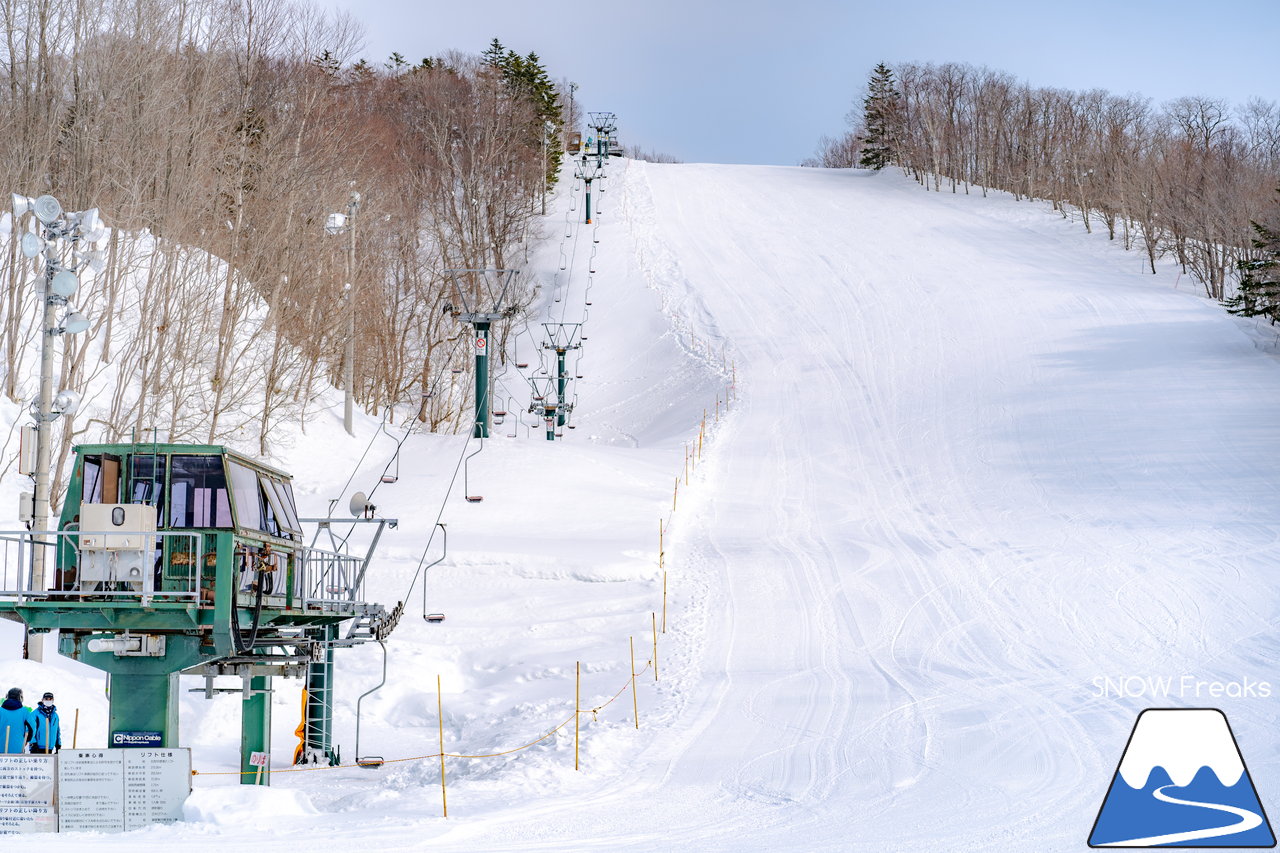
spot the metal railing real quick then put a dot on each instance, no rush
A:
(329, 580)
(169, 567)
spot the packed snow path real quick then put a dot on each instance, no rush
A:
(977, 461)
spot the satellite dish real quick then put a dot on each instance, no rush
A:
(65, 283)
(360, 504)
(47, 208)
(32, 245)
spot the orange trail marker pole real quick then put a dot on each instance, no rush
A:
(635, 703)
(577, 712)
(655, 645)
(444, 794)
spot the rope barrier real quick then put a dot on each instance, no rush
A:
(594, 712)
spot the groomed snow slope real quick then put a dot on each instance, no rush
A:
(977, 461)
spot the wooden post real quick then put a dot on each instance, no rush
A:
(655, 646)
(661, 557)
(75, 729)
(664, 602)
(675, 493)
(444, 795)
(577, 713)
(635, 703)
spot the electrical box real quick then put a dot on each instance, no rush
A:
(118, 546)
(27, 508)
(27, 457)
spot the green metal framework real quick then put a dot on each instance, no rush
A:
(233, 590)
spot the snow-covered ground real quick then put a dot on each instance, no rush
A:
(977, 462)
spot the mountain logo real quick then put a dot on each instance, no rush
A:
(1182, 782)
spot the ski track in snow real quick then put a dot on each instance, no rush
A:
(975, 462)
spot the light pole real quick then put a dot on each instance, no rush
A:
(59, 283)
(345, 223)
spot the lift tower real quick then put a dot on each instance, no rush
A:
(482, 298)
(191, 558)
(604, 124)
(562, 337)
(547, 405)
(588, 171)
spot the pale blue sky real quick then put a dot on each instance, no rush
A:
(758, 81)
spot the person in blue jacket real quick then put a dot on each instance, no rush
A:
(46, 732)
(15, 722)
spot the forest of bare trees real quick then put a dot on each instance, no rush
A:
(216, 136)
(1182, 180)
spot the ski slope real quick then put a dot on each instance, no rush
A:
(977, 460)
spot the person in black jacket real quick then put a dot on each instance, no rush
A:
(46, 732)
(15, 722)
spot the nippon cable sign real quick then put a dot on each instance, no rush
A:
(139, 740)
(482, 346)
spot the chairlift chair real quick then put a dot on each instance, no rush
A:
(522, 364)
(435, 618)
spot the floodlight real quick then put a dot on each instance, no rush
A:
(89, 224)
(66, 402)
(22, 205)
(94, 259)
(32, 245)
(47, 209)
(64, 283)
(335, 223)
(75, 323)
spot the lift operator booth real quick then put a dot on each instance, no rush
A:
(176, 558)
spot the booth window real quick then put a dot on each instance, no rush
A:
(198, 493)
(247, 495)
(146, 483)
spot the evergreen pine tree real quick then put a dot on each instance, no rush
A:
(1259, 292)
(879, 113)
(495, 55)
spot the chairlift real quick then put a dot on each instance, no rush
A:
(588, 304)
(559, 435)
(499, 413)
(578, 375)
(571, 426)
(393, 474)
(474, 499)
(370, 762)
(435, 618)
(522, 364)
(456, 370)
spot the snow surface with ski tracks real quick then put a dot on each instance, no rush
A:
(977, 460)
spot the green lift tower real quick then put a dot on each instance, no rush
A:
(190, 559)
